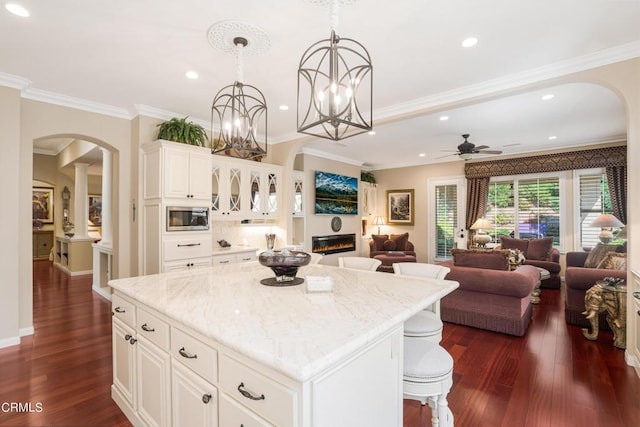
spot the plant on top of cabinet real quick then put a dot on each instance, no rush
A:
(367, 176)
(179, 130)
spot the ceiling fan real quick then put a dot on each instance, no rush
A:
(467, 150)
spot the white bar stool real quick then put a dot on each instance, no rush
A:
(425, 326)
(428, 377)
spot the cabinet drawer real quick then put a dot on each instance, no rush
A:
(246, 257)
(152, 328)
(186, 248)
(223, 259)
(232, 414)
(247, 386)
(186, 264)
(195, 354)
(123, 310)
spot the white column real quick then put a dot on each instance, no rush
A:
(107, 233)
(81, 201)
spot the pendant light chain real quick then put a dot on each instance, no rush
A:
(334, 15)
(239, 62)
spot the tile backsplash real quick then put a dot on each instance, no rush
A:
(252, 235)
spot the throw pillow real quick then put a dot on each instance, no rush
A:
(507, 242)
(540, 249)
(480, 258)
(597, 254)
(400, 240)
(378, 241)
(389, 245)
(614, 261)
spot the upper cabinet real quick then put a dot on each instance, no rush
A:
(369, 195)
(242, 189)
(298, 193)
(176, 171)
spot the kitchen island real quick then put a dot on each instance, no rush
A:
(215, 347)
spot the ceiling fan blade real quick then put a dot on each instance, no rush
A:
(446, 155)
(489, 152)
(481, 147)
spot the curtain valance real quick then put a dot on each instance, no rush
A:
(582, 159)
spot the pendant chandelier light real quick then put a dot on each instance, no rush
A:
(238, 111)
(335, 85)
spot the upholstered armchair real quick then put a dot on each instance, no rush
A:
(584, 269)
(539, 253)
(381, 244)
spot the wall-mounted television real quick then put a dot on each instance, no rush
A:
(336, 194)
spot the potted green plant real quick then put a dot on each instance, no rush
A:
(179, 130)
(367, 176)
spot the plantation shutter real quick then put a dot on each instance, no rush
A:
(446, 219)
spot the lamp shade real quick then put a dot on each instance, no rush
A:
(607, 220)
(481, 224)
(378, 220)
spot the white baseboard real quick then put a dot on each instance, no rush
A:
(8, 342)
(26, 331)
(103, 292)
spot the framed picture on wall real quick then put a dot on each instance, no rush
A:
(42, 205)
(400, 206)
(95, 211)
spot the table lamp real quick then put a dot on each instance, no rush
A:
(481, 238)
(378, 220)
(606, 222)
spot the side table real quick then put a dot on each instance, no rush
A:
(612, 299)
(535, 294)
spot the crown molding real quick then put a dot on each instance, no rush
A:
(159, 113)
(327, 156)
(77, 103)
(14, 82)
(513, 81)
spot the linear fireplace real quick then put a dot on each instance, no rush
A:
(333, 244)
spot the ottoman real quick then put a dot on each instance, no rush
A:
(391, 258)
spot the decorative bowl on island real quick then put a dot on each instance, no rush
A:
(284, 264)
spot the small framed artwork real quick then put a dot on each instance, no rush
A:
(400, 207)
(42, 204)
(95, 211)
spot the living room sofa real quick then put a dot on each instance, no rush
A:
(490, 296)
(539, 253)
(583, 271)
(381, 244)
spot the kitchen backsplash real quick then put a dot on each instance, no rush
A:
(252, 235)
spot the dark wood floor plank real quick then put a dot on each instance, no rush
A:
(551, 377)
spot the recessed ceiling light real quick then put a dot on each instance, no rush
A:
(469, 42)
(551, 138)
(422, 155)
(547, 97)
(191, 75)
(284, 107)
(16, 9)
(443, 118)
(371, 132)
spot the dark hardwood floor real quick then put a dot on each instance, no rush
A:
(551, 377)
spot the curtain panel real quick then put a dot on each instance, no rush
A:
(617, 181)
(583, 159)
(477, 198)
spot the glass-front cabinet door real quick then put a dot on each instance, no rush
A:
(235, 185)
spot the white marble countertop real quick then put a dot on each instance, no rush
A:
(294, 332)
(233, 249)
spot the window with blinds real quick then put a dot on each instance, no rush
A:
(594, 200)
(525, 208)
(446, 219)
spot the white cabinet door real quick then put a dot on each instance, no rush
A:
(124, 361)
(298, 193)
(153, 384)
(186, 264)
(195, 401)
(369, 199)
(186, 173)
(200, 175)
(176, 173)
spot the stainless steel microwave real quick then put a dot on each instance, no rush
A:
(180, 218)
